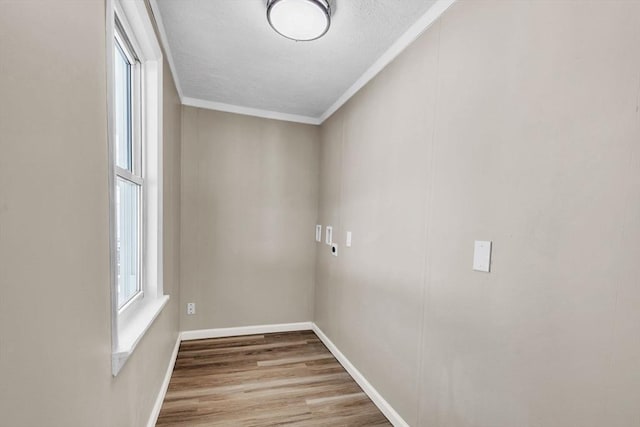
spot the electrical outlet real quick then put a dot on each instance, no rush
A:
(191, 308)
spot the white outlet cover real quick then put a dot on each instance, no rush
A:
(191, 308)
(482, 255)
(334, 249)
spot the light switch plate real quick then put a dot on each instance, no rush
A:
(318, 233)
(348, 243)
(334, 249)
(328, 238)
(482, 255)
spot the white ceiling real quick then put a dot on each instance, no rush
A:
(225, 56)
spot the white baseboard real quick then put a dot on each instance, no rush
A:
(373, 394)
(244, 330)
(155, 412)
(366, 386)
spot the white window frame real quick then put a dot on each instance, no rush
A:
(130, 322)
(136, 175)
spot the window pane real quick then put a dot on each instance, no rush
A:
(127, 240)
(123, 109)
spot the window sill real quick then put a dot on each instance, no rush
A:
(129, 335)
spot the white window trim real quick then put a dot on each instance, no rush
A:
(129, 324)
(130, 48)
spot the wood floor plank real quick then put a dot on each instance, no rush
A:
(322, 400)
(289, 360)
(287, 378)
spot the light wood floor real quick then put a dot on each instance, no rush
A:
(264, 380)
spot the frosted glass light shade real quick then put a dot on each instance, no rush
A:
(300, 20)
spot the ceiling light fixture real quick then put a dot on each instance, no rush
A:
(300, 20)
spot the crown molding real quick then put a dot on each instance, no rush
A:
(405, 40)
(165, 45)
(409, 36)
(247, 111)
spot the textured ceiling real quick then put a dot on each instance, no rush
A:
(224, 51)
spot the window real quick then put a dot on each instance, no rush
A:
(128, 169)
(135, 143)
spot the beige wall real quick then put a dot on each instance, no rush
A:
(55, 338)
(249, 206)
(511, 121)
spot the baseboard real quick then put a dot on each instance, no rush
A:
(366, 386)
(373, 394)
(155, 412)
(244, 330)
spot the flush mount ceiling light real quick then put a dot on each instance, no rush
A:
(300, 20)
